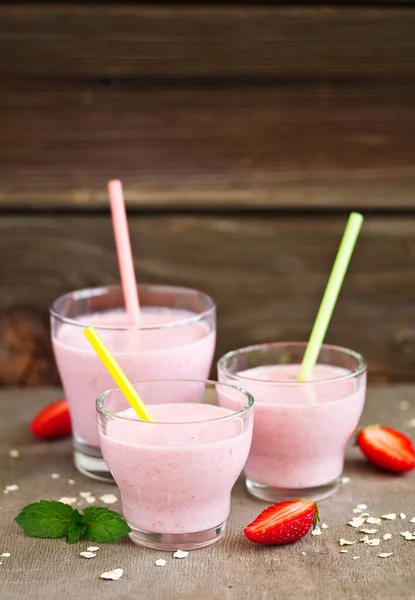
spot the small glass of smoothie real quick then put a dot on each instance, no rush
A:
(176, 475)
(175, 339)
(301, 429)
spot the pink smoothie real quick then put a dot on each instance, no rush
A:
(171, 352)
(176, 476)
(300, 432)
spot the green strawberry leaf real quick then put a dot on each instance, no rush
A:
(104, 525)
(45, 519)
(77, 527)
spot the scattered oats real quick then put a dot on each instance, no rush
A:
(66, 500)
(114, 574)
(12, 488)
(374, 542)
(345, 542)
(356, 557)
(55, 476)
(385, 554)
(357, 521)
(303, 553)
(408, 535)
(404, 405)
(402, 515)
(368, 531)
(1, 563)
(357, 510)
(71, 481)
(85, 495)
(109, 499)
(373, 520)
(324, 526)
(361, 506)
(389, 517)
(345, 480)
(343, 551)
(387, 536)
(92, 548)
(160, 562)
(411, 423)
(14, 453)
(364, 539)
(412, 520)
(90, 499)
(5, 554)
(5, 491)
(316, 531)
(180, 554)
(87, 554)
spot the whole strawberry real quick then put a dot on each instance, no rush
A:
(283, 523)
(387, 448)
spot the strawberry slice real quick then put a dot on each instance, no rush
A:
(387, 448)
(53, 421)
(283, 523)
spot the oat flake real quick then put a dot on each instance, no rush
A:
(385, 554)
(357, 510)
(92, 548)
(387, 536)
(12, 488)
(160, 562)
(316, 531)
(356, 557)
(87, 554)
(109, 499)
(5, 554)
(180, 554)
(361, 506)
(402, 516)
(66, 500)
(14, 453)
(370, 531)
(356, 522)
(71, 481)
(85, 495)
(345, 542)
(345, 480)
(373, 520)
(411, 423)
(389, 517)
(324, 526)
(114, 574)
(90, 499)
(343, 551)
(374, 542)
(55, 476)
(412, 520)
(364, 539)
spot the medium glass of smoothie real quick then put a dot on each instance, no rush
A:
(175, 339)
(176, 475)
(301, 429)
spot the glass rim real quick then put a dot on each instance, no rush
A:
(361, 366)
(107, 413)
(102, 290)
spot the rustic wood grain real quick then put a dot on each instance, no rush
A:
(323, 146)
(128, 40)
(233, 569)
(266, 273)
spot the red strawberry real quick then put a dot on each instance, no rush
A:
(283, 523)
(387, 448)
(53, 421)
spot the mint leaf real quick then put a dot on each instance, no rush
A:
(77, 527)
(45, 519)
(104, 525)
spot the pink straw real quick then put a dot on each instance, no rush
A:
(125, 257)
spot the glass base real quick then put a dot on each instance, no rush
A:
(88, 460)
(178, 541)
(270, 494)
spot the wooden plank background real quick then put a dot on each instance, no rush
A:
(244, 134)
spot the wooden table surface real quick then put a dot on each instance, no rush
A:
(233, 569)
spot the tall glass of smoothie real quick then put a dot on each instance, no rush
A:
(176, 475)
(175, 339)
(301, 429)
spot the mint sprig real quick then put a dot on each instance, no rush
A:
(51, 519)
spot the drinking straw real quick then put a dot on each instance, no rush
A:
(330, 295)
(123, 245)
(118, 374)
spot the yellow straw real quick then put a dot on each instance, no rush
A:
(330, 295)
(118, 375)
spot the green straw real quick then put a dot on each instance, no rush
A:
(330, 295)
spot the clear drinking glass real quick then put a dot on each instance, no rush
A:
(301, 429)
(176, 475)
(175, 339)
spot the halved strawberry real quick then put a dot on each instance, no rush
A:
(53, 421)
(283, 523)
(387, 448)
